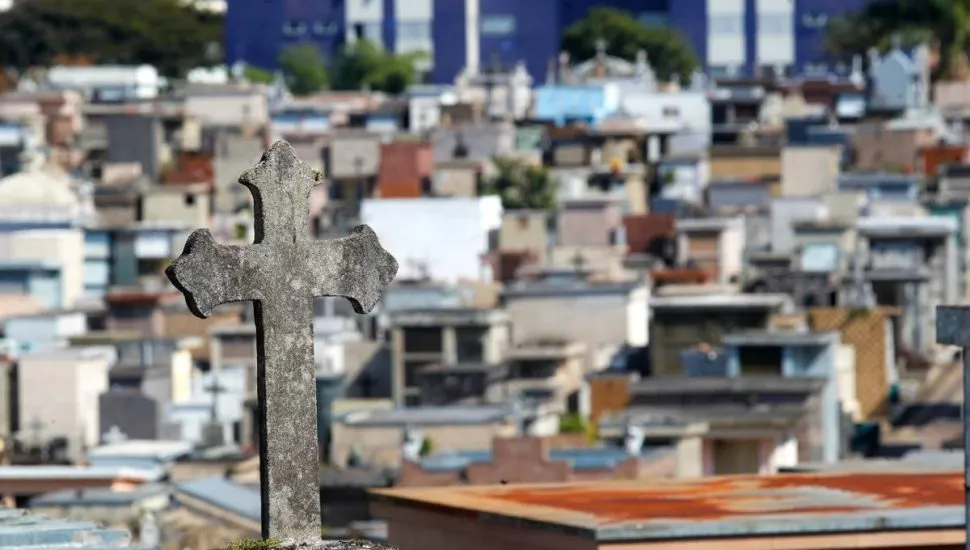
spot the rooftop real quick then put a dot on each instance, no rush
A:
(781, 338)
(725, 301)
(425, 416)
(76, 472)
(223, 494)
(100, 496)
(134, 448)
(714, 506)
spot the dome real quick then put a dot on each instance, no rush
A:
(36, 188)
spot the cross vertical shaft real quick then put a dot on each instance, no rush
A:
(953, 328)
(287, 458)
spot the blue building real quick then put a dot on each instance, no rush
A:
(743, 37)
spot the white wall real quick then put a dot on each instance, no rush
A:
(370, 13)
(638, 332)
(61, 389)
(776, 32)
(725, 28)
(784, 455)
(448, 236)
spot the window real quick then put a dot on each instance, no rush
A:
(497, 25)
(414, 30)
(189, 199)
(726, 24)
(671, 112)
(815, 20)
(294, 28)
(321, 28)
(774, 24)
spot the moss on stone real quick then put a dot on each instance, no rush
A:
(255, 544)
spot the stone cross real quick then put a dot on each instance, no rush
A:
(953, 328)
(282, 272)
(214, 389)
(114, 435)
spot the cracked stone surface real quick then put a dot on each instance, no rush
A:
(282, 272)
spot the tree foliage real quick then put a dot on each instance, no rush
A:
(258, 76)
(163, 33)
(521, 185)
(669, 52)
(303, 69)
(362, 64)
(945, 23)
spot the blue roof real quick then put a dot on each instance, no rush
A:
(594, 458)
(22, 531)
(223, 493)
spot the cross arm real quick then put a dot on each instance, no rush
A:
(355, 267)
(210, 274)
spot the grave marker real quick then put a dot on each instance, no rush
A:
(282, 272)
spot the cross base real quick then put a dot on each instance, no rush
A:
(357, 544)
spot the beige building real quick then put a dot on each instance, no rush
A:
(809, 171)
(188, 204)
(603, 317)
(58, 390)
(885, 510)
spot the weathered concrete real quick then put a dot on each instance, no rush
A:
(282, 272)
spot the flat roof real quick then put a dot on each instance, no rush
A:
(712, 507)
(142, 448)
(780, 338)
(77, 472)
(723, 301)
(426, 416)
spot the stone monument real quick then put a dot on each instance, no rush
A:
(281, 273)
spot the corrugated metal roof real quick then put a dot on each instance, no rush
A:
(20, 530)
(716, 506)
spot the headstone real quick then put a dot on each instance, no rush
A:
(953, 328)
(282, 272)
(133, 412)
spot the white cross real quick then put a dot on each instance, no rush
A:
(114, 435)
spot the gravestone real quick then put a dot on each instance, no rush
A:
(281, 273)
(953, 328)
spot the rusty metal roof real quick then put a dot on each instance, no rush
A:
(715, 506)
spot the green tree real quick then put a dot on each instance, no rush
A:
(258, 76)
(572, 424)
(669, 53)
(303, 69)
(164, 33)
(521, 185)
(945, 23)
(427, 447)
(362, 64)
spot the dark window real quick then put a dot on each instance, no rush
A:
(760, 360)
(359, 31)
(189, 199)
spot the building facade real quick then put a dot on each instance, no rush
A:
(742, 37)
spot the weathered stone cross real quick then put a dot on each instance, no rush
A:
(282, 272)
(953, 328)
